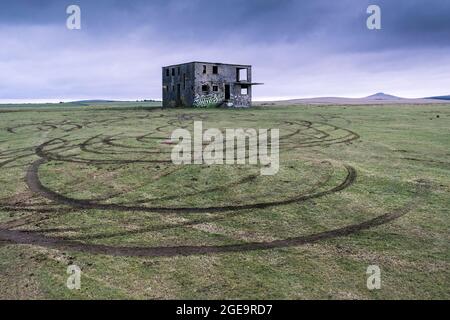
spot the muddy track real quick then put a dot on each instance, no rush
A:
(301, 134)
(35, 185)
(185, 223)
(57, 243)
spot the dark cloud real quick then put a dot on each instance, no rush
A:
(338, 22)
(295, 37)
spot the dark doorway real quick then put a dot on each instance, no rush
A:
(179, 95)
(227, 92)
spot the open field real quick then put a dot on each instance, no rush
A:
(94, 186)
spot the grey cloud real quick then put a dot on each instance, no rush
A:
(298, 48)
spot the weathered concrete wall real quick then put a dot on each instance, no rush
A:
(226, 75)
(178, 85)
(197, 84)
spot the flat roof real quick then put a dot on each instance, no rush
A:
(203, 62)
(249, 83)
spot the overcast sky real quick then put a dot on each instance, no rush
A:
(298, 48)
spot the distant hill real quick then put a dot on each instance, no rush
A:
(93, 101)
(441, 97)
(99, 102)
(382, 96)
(378, 98)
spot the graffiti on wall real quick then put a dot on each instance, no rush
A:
(209, 100)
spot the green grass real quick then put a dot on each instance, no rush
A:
(399, 148)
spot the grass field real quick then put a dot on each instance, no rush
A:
(94, 186)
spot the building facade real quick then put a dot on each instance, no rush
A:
(205, 84)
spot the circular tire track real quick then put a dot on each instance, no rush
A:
(32, 238)
(304, 134)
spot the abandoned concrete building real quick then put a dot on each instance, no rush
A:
(206, 84)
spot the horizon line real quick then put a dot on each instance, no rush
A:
(260, 99)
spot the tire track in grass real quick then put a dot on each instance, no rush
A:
(32, 238)
(71, 205)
